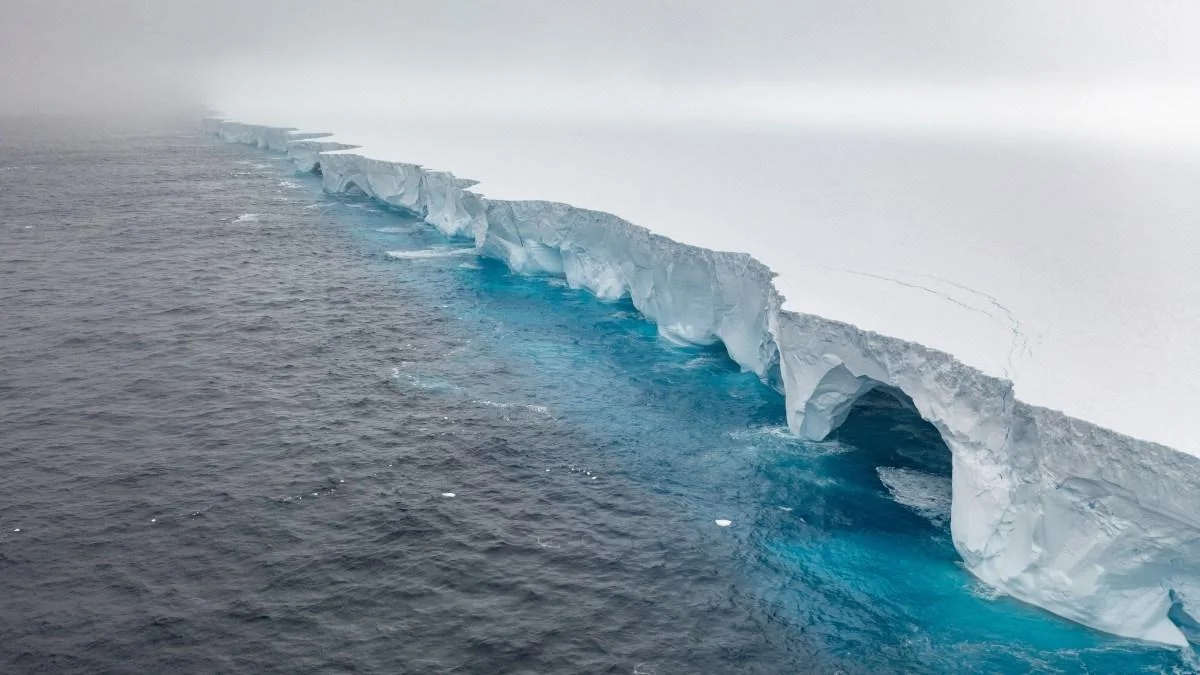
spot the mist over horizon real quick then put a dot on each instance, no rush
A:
(1096, 70)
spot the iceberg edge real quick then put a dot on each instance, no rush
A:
(1084, 522)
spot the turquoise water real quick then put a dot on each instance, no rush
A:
(826, 553)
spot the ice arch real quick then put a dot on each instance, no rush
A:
(1043, 508)
(834, 398)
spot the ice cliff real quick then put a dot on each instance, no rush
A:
(1087, 523)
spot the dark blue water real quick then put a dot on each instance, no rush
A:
(229, 420)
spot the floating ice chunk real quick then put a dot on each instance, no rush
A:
(437, 252)
(248, 218)
(448, 494)
(721, 522)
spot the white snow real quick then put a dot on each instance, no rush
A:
(1035, 301)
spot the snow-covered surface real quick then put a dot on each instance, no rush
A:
(1071, 270)
(1035, 302)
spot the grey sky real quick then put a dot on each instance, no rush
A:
(59, 55)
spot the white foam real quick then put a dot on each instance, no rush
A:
(248, 218)
(927, 494)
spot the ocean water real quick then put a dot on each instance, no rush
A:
(249, 427)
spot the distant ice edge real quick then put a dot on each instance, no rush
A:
(1084, 522)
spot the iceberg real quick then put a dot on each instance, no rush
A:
(1062, 509)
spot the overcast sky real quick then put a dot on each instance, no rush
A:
(563, 57)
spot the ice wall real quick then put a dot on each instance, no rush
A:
(1082, 521)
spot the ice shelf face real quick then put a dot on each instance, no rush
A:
(1084, 522)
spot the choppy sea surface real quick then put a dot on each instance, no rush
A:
(249, 427)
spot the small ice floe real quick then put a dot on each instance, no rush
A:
(29, 227)
(154, 520)
(436, 252)
(785, 508)
(448, 494)
(547, 470)
(248, 218)
(16, 529)
(721, 522)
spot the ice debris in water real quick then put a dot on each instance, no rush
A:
(448, 494)
(436, 252)
(721, 522)
(247, 218)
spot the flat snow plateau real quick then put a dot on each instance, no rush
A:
(997, 284)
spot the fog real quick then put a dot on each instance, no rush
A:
(1097, 69)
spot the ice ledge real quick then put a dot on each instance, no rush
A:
(1082, 521)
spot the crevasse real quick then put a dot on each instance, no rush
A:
(1087, 523)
